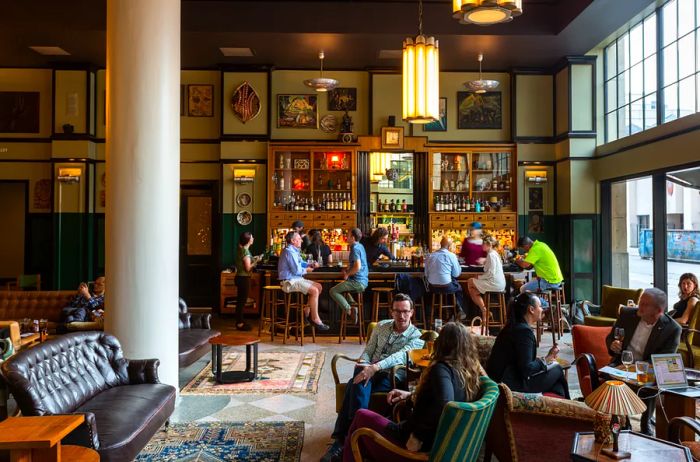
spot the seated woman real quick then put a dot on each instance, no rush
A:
(453, 375)
(493, 279)
(689, 295)
(319, 249)
(514, 360)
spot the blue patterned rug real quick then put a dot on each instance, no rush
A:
(227, 441)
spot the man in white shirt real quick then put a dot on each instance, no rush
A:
(648, 330)
(442, 270)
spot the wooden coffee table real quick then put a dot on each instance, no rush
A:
(251, 355)
(642, 448)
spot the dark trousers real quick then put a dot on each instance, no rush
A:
(648, 395)
(452, 288)
(551, 381)
(357, 397)
(243, 286)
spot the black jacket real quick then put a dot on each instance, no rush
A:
(664, 338)
(513, 357)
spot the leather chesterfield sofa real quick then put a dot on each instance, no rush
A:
(86, 373)
(194, 335)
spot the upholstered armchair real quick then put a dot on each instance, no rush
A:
(674, 430)
(690, 340)
(532, 427)
(591, 353)
(611, 299)
(460, 432)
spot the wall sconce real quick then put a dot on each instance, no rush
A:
(536, 176)
(69, 174)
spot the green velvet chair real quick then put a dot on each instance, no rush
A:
(612, 298)
(690, 340)
(460, 432)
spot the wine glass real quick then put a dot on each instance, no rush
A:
(627, 359)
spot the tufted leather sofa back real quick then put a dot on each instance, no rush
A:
(36, 304)
(61, 374)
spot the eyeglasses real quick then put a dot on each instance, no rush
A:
(402, 311)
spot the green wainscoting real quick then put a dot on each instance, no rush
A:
(39, 244)
(70, 250)
(231, 230)
(578, 251)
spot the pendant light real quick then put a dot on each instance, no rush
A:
(481, 85)
(321, 83)
(421, 76)
(486, 12)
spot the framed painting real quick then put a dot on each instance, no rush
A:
(200, 100)
(535, 199)
(479, 111)
(342, 99)
(297, 111)
(19, 112)
(392, 137)
(438, 125)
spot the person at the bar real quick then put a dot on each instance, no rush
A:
(320, 251)
(375, 245)
(493, 279)
(689, 294)
(442, 270)
(386, 348)
(298, 226)
(472, 253)
(542, 259)
(244, 270)
(514, 360)
(453, 375)
(291, 270)
(356, 275)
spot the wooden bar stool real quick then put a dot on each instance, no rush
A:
(495, 300)
(442, 303)
(377, 303)
(560, 298)
(271, 300)
(294, 301)
(359, 306)
(419, 307)
(550, 313)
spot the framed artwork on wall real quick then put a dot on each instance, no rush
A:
(392, 137)
(297, 111)
(19, 112)
(342, 99)
(479, 111)
(200, 100)
(438, 125)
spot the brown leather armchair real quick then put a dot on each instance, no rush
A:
(123, 402)
(194, 335)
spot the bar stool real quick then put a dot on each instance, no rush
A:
(293, 301)
(419, 307)
(358, 304)
(377, 303)
(495, 300)
(560, 297)
(271, 300)
(550, 312)
(442, 303)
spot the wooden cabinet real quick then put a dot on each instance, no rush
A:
(471, 184)
(229, 292)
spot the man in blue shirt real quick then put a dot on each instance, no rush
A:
(355, 274)
(442, 270)
(291, 270)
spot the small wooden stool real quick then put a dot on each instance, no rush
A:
(359, 306)
(377, 304)
(495, 300)
(442, 303)
(293, 301)
(271, 300)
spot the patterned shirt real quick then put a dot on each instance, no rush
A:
(97, 301)
(388, 348)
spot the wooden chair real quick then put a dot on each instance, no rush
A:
(674, 434)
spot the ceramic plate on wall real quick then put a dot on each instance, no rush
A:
(244, 218)
(243, 199)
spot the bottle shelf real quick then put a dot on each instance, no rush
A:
(333, 190)
(393, 213)
(332, 170)
(493, 191)
(293, 169)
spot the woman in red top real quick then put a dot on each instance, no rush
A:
(472, 252)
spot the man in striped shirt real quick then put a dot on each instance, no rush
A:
(386, 348)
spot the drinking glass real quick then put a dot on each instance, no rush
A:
(619, 334)
(642, 371)
(438, 324)
(627, 359)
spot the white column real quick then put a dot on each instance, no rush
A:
(143, 179)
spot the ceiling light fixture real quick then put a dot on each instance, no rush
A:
(481, 85)
(486, 12)
(421, 76)
(321, 83)
(50, 50)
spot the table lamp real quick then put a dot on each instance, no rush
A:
(615, 398)
(429, 337)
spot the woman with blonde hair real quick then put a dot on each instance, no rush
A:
(453, 375)
(493, 279)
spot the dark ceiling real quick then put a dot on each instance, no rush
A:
(289, 34)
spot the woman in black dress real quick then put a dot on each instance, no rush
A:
(319, 249)
(689, 295)
(514, 360)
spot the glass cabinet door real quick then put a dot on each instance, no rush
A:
(291, 179)
(450, 181)
(491, 179)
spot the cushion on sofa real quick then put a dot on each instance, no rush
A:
(193, 344)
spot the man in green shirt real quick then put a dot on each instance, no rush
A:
(542, 259)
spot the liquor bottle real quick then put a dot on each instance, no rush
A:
(392, 206)
(337, 185)
(438, 204)
(404, 206)
(354, 206)
(477, 207)
(281, 187)
(469, 204)
(348, 185)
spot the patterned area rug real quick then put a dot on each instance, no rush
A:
(281, 371)
(227, 441)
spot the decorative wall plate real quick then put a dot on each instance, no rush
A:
(301, 164)
(245, 102)
(244, 218)
(329, 123)
(243, 199)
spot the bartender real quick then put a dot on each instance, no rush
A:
(472, 251)
(298, 227)
(375, 246)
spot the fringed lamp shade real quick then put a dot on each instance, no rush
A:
(421, 75)
(614, 397)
